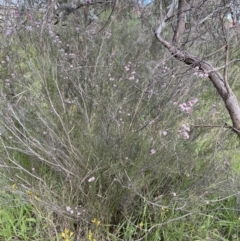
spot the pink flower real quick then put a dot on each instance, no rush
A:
(190, 103)
(153, 151)
(183, 106)
(188, 109)
(185, 127)
(164, 133)
(194, 101)
(185, 135)
(91, 179)
(184, 131)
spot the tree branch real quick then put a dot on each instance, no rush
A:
(178, 34)
(168, 15)
(216, 78)
(219, 82)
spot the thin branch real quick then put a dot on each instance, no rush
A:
(211, 126)
(168, 15)
(225, 71)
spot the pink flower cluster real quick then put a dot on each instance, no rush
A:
(132, 77)
(132, 73)
(185, 131)
(128, 66)
(187, 107)
(165, 68)
(164, 133)
(71, 211)
(153, 151)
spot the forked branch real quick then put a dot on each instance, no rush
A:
(219, 82)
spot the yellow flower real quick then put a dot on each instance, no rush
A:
(164, 210)
(29, 192)
(66, 234)
(14, 186)
(90, 234)
(140, 225)
(97, 222)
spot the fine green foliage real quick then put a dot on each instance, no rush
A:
(18, 220)
(104, 136)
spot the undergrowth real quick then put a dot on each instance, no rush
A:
(103, 140)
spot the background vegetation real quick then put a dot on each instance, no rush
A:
(105, 136)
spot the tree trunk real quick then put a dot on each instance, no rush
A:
(216, 78)
(219, 82)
